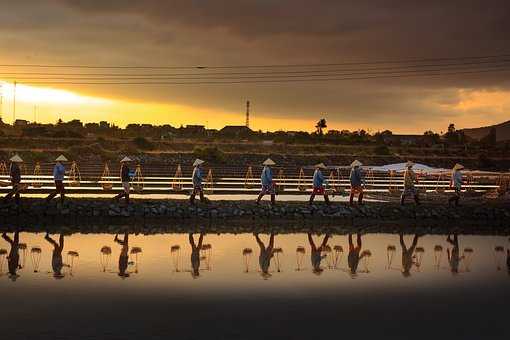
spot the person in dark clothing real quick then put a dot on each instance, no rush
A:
(195, 254)
(357, 181)
(316, 253)
(13, 259)
(56, 258)
(197, 179)
(125, 178)
(454, 257)
(124, 255)
(15, 174)
(407, 255)
(58, 176)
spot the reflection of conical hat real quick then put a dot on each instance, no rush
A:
(61, 158)
(198, 162)
(458, 167)
(125, 159)
(269, 161)
(16, 159)
(409, 163)
(356, 163)
(320, 166)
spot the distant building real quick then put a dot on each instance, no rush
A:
(20, 122)
(236, 131)
(195, 129)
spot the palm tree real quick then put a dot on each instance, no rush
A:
(321, 124)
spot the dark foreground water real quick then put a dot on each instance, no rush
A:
(168, 286)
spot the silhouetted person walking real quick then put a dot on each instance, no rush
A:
(124, 255)
(266, 254)
(125, 178)
(354, 257)
(357, 181)
(407, 255)
(15, 174)
(318, 184)
(56, 258)
(195, 254)
(58, 176)
(197, 179)
(13, 259)
(456, 184)
(316, 253)
(454, 257)
(266, 180)
(409, 180)
(508, 260)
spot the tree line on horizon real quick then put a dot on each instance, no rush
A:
(76, 129)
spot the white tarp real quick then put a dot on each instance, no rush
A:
(399, 167)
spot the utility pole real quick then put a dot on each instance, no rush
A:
(247, 113)
(14, 106)
(1, 101)
(35, 114)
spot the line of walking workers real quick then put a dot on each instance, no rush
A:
(357, 181)
(201, 253)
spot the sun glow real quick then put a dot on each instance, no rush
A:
(43, 95)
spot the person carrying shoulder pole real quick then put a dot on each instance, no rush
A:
(197, 179)
(15, 174)
(124, 177)
(409, 180)
(266, 179)
(456, 184)
(318, 184)
(357, 181)
(58, 176)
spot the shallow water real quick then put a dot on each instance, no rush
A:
(159, 295)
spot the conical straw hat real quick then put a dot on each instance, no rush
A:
(16, 159)
(125, 159)
(356, 163)
(61, 158)
(409, 163)
(458, 167)
(269, 161)
(198, 162)
(320, 166)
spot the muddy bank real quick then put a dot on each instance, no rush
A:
(243, 216)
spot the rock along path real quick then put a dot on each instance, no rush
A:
(479, 217)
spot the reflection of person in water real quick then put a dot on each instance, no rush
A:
(454, 257)
(316, 253)
(508, 260)
(195, 255)
(354, 254)
(124, 255)
(407, 255)
(266, 253)
(56, 258)
(13, 259)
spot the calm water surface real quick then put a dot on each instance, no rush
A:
(100, 286)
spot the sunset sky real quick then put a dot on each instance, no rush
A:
(256, 32)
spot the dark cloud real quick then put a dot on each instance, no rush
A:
(237, 32)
